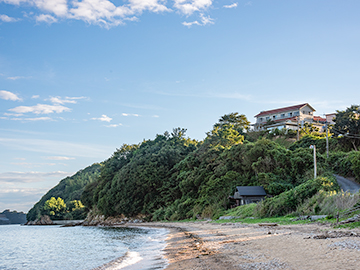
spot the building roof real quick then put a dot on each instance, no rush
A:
(251, 191)
(319, 118)
(285, 109)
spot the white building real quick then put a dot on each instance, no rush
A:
(288, 117)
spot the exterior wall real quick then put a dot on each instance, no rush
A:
(303, 114)
(330, 118)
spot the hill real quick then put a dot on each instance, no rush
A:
(69, 189)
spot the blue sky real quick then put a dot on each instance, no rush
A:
(80, 78)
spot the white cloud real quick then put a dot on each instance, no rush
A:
(30, 177)
(234, 5)
(105, 12)
(6, 18)
(56, 148)
(14, 78)
(150, 5)
(188, 7)
(204, 21)
(114, 125)
(46, 18)
(40, 109)
(32, 119)
(59, 158)
(130, 114)
(103, 118)
(58, 100)
(8, 95)
(35, 96)
(58, 7)
(20, 199)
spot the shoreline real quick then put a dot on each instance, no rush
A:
(203, 245)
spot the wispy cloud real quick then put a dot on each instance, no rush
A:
(103, 118)
(130, 114)
(9, 96)
(31, 119)
(6, 18)
(188, 7)
(46, 18)
(106, 12)
(114, 125)
(14, 78)
(59, 158)
(234, 5)
(56, 148)
(204, 20)
(40, 109)
(59, 100)
(20, 199)
(30, 177)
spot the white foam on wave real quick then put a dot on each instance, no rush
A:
(131, 258)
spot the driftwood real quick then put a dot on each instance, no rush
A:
(268, 224)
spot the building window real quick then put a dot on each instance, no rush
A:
(296, 113)
(290, 114)
(261, 119)
(274, 116)
(283, 115)
(267, 118)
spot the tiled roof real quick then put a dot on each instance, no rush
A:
(285, 109)
(319, 118)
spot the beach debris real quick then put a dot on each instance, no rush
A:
(334, 234)
(268, 224)
(351, 220)
(348, 244)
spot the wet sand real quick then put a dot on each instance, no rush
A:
(204, 245)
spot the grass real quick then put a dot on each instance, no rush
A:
(349, 225)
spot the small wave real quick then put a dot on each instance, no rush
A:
(130, 258)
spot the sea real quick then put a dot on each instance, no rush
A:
(77, 248)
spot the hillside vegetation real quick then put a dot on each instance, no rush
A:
(173, 177)
(68, 189)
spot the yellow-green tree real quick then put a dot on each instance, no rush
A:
(55, 208)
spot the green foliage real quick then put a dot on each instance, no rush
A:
(347, 123)
(55, 208)
(319, 141)
(288, 201)
(140, 180)
(70, 188)
(346, 163)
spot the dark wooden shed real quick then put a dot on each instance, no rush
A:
(247, 194)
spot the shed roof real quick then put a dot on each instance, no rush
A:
(251, 191)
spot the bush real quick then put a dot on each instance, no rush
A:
(288, 201)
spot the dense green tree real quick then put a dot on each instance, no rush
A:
(347, 124)
(55, 208)
(70, 188)
(238, 121)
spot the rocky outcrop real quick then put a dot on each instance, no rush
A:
(94, 219)
(44, 220)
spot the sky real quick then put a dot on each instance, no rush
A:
(80, 78)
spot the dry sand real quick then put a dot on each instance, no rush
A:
(204, 245)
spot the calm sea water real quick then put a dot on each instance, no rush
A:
(55, 247)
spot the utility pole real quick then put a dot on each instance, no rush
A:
(298, 135)
(314, 147)
(327, 140)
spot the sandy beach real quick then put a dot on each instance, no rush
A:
(205, 245)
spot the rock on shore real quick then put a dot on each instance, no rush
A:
(44, 220)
